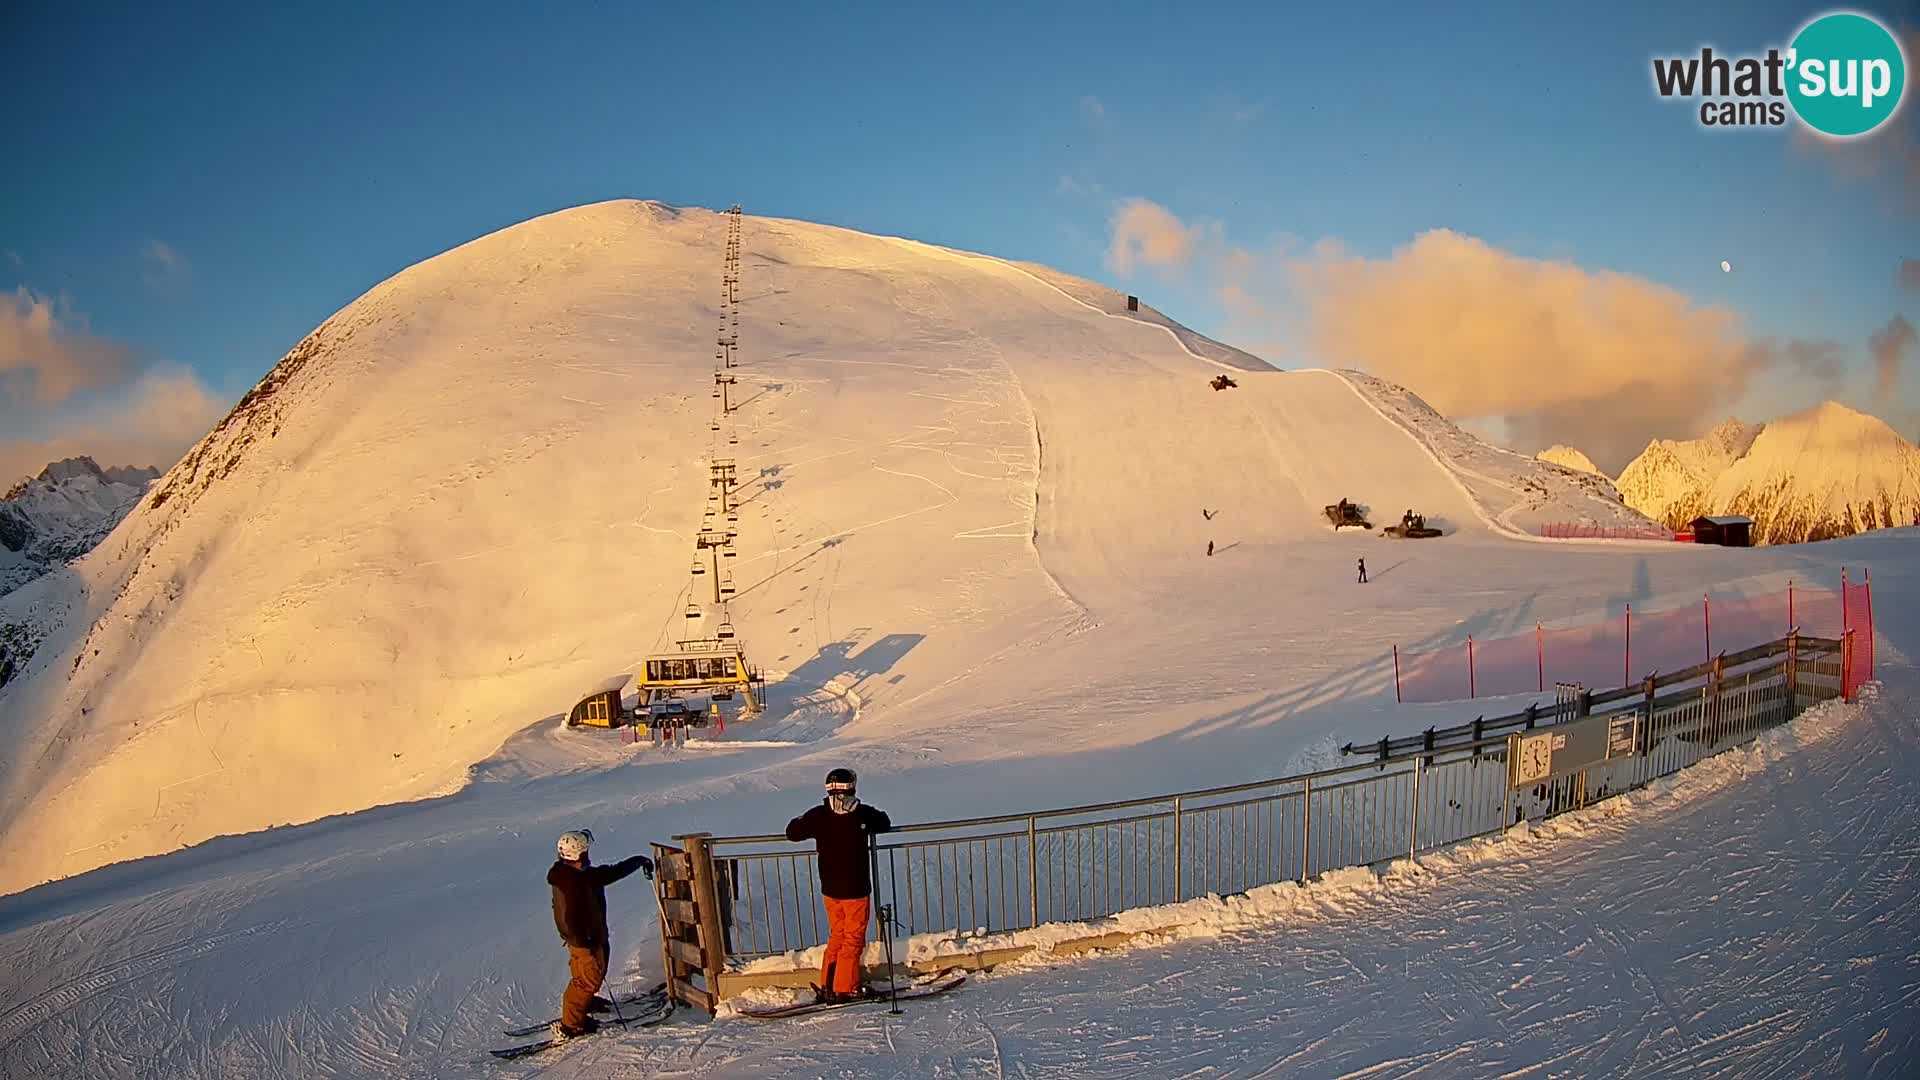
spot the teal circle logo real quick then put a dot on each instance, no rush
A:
(1846, 74)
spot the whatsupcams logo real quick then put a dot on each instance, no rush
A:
(1844, 74)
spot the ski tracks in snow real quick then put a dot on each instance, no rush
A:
(22, 1019)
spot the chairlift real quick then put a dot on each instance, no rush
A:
(698, 566)
(693, 610)
(733, 440)
(715, 425)
(726, 585)
(725, 633)
(728, 551)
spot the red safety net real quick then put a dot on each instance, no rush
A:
(1632, 645)
(1564, 530)
(1857, 610)
(1434, 675)
(1507, 665)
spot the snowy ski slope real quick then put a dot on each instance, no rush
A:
(973, 560)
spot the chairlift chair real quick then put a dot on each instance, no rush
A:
(693, 610)
(725, 633)
(726, 585)
(698, 566)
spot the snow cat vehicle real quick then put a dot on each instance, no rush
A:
(1412, 527)
(1346, 513)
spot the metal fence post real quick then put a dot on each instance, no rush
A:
(1413, 838)
(1177, 882)
(1306, 830)
(1033, 872)
(1793, 670)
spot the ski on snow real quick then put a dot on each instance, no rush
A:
(659, 1015)
(649, 1002)
(933, 988)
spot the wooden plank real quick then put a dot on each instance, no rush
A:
(695, 996)
(687, 953)
(673, 868)
(682, 912)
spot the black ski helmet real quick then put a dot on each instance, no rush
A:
(841, 778)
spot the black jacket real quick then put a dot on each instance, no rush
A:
(841, 840)
(580, 899)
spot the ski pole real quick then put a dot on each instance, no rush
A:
(883, 916)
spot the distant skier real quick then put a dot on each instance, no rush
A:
(1363, 571)
(1209, 549)
(1205, 513)
(840, 827)
(580, 914)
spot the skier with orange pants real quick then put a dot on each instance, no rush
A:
(840, 827)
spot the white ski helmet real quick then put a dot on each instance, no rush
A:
(574, 844)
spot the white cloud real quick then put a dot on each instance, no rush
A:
(1889, 347)
(166, 267)
(1092, 107)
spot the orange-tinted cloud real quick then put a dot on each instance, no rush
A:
(151, 420)
(47, 356)
(1544, 351)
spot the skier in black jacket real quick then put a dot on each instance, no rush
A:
(580, 914)
(840, 827)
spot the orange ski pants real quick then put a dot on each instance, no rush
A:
(589, 969)
(846, 940)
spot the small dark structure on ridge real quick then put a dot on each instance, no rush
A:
(1133, 303)
(1727, 530)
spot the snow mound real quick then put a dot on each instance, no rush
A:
(472, 493)
(1569, 458)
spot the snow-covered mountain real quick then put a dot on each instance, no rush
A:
(472, 492)
(1669, 481)
(1569, 457)
(976, 508)
(62, 513)
(1826, 472)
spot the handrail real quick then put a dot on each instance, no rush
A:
(1634, 691)
(1418, 749)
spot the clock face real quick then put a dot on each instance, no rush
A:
(1536, 758)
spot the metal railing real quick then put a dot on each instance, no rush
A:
(1017, 871)
(1567, 705)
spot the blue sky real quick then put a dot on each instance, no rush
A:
(205, 185)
